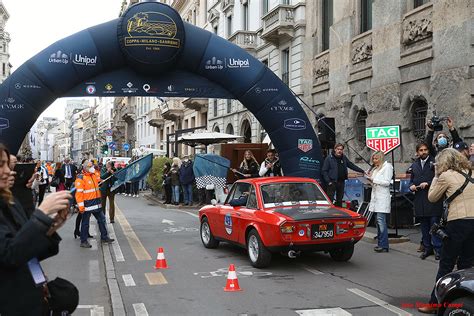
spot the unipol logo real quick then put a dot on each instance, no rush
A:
(84, 60)
(214, 64)
(59, 58)
(238, 63)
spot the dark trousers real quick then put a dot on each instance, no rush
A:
(459, 246)
(167, 193)
(338, 188)
(42, 190)
(135, 188)
(111, 197)
(429, 242)
(99, 216)
(68, 183)
(77, 229)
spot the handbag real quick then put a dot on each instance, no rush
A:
(55, 182)
(61, 296)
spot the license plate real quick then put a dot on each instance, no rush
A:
(322, 231)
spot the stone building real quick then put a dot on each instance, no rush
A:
(4, 44)
(390, 62)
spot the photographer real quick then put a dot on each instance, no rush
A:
(453, 178)
(442, 141)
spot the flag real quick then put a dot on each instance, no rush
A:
(135, 171)
(210, 169)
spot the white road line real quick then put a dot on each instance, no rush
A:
(92, 229)
(324, 311)
(94, 271)
(379, 302)
(140, 309)
(115, 245)
(93, 243)
(128, 280)
(96, 310)
(311, 270)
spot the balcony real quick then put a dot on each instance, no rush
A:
(196, 103)
(172, 110)
(245, 39)
(127, 114)
(155, 119)
(279, 24)
(227, 5)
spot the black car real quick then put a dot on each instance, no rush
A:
(455, 293)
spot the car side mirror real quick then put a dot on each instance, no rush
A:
(214, 202)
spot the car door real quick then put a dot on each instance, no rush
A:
(246, 214)
(230, 215)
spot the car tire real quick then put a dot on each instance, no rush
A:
(342, 254)
(467, 307)
(258, 254)
(207, 238)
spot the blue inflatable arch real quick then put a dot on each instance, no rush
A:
(150, 51)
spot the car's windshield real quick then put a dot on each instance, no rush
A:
(277, 194)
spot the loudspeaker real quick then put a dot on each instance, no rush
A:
(327, 132)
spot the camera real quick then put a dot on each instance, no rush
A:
(436, 122)
(439, 231)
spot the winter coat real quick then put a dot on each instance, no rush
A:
(423, 207)
(186, 173)
(174, 174)
(329, 170)
(380, 196)
(21, 240)
(88, 194)
(252, 169)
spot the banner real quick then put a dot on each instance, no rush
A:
(210, 169)
(135, 171)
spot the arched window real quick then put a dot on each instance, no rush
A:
(246, 131)
(229, 129)
(360, 124)
(217, 129)
(419, 111)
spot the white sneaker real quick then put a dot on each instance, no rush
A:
(136, 195)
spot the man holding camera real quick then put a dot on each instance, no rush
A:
(441, 141)
(428, 213)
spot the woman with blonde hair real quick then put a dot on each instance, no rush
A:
(453, 179)
(248, 168)
(380, 176)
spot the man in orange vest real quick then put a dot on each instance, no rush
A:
(89, 202)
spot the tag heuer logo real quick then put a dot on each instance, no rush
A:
(305, 145)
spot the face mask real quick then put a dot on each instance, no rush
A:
(442, 142)
(91, 169)
(186, 159)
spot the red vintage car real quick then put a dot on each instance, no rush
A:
(281, 214)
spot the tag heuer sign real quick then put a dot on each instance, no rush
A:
(383, 138)
(305, 145)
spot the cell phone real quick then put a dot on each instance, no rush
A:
(37, 272)
(24, 171)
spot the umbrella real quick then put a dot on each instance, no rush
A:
(207, 138)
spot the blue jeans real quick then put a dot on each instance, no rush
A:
(382, 230)
(430, 242)
(175, 191)
(188, 193)
(100, 217)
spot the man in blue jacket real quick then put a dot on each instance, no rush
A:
(335, 173)
(186, 177)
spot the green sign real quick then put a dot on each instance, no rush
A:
(383, 138)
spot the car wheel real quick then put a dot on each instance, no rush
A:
(342, 254)
(207, 238)
(259, 255)
(462, 306)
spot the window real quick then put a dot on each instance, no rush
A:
(245, 15)
(287, 2)
(215, 29)
(215, 107)
(229, 25)
(252, 200)
(237, 191)
(418, 3)
(4, 70)
(265, 62)
(365, 15)
(327, 11)
(420, 109)
(265, 7)
(229, 129)
(229, 106)
(285, 66)
(361, 123)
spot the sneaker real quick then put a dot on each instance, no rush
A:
(380, 249)
(85, 245)
(108, 240)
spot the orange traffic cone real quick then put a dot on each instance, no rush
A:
(160, 260)
(232, 281)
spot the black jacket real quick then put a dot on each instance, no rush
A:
(73, 171)
(22, 239)
(429, 140)
(252, 169)
(423, 207)
(329, 170)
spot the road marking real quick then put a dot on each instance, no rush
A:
(128, 280)
(311, 270)
(167, 221)
(92, 229)
(93, 243)
(140, 309)
(135, 243)
(175, 229)
(155, 278)
(379, 302)
(96, 310)
(325, 311)
(243, 271)
(94, 271)
(189, 213)
(115, 245)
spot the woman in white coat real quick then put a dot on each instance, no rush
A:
(380, 177)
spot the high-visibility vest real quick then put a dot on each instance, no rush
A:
(50, 169)
(88, 192)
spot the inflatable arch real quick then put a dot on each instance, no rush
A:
(150, 51)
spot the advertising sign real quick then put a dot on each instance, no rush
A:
(383, 138)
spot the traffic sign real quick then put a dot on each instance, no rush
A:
(383, 138)
(108, 139)
(126, 146)
(108, 132)
(112, 145)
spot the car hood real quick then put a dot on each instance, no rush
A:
(299, 213)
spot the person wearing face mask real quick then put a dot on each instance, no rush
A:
(88, 199)
(441, 141)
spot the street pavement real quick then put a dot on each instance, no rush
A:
(121, 279)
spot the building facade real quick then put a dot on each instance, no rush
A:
(4, 44)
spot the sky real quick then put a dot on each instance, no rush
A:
(34, 25)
